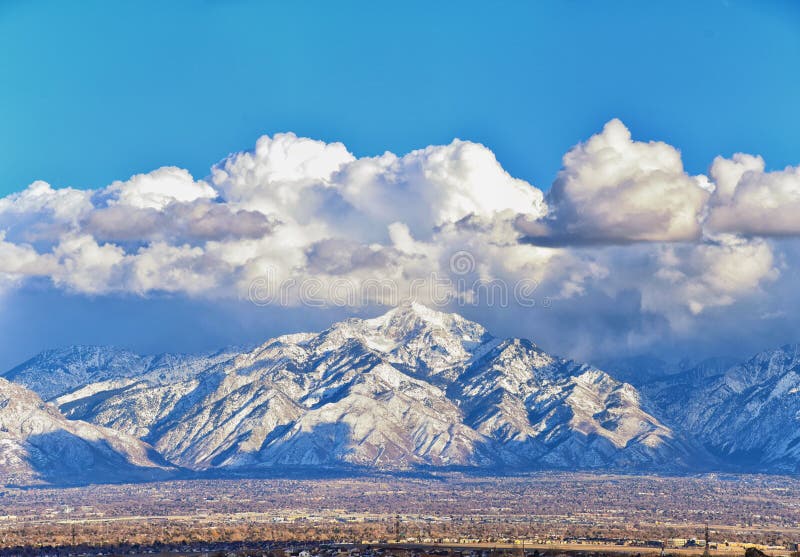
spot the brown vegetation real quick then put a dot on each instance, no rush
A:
(537, 507)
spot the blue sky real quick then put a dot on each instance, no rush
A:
(98, 91)
(650, 260)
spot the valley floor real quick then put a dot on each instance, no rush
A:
(553, 510)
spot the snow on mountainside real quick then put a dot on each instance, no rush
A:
(563, 413)
(414, 387)
(55, 372)
(39, 445)
(747, 414)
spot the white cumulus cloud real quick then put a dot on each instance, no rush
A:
(157, 189)
(615, 189)
(748, 200)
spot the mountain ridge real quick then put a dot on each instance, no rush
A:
(39, 445)
(747, 414)
(413, 388)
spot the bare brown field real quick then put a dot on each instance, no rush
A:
(591, 548)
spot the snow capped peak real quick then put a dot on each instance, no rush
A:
(411, 317)
(416, 310)
(418, 339)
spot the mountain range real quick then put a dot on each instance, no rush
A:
(414, 389)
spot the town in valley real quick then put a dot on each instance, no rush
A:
(548, 512)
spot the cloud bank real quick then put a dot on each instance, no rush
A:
(625, 235)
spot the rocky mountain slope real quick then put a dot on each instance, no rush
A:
(39, 445)
(412, 388)
(746, 414)
(55, 372)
